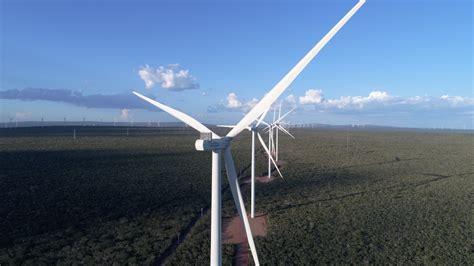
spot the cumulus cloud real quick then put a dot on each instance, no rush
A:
(457, 100)
(316, 97)
(114, 101)
(352, 102)
(291, 99)
(125, 114)
(172, 77)
(233, 101)
(375, 101)
(382, 101)
(312, 97)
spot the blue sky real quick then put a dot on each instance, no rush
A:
(398, 63)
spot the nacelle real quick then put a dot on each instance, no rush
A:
(211, 144)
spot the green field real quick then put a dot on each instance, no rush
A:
(353, 196)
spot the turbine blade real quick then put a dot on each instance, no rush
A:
(274, 113)
(239, 202)
(272, 144)
(279, 111)
(286, 131)
(265, 123)
(268, 152)
(261, 118)
(281, 118)
(268, 127)
(283, 84)
(179, 115)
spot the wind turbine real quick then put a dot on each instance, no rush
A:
(210, 141)
(277, 125)
(276, 135)
(253, 129)
(271, 146)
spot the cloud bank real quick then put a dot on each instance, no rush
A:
(382, 101)
(113, 101)
(312, 97)
(171, 77)
(377, 107)
(232, 103)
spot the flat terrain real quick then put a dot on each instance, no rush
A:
(347, 197)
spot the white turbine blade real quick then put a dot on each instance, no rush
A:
(268, 152)
(239, 202)
(179, 115)
(274, 114)
(272, 145)
(226, 126)
(281, 86)
(285, 115)
(269, 126)
(273, 142)
(279, 112)
(285, 131)
(265, 123)
(261, 118)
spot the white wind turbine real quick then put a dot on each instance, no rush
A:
(218, 145)
(279, 127)
(253, 128)
(271, 145)
(274, 128)
(275, 125)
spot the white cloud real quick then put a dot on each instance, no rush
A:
(312, 97)
(382, 101)
(171, 77)
(233, 101)
(291, 99)
(374, 97)
(457, 100)
(380, 96)
(442, 101)
(376, 107)
(125, 114)
(418, 100)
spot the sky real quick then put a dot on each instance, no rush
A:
(395, 63)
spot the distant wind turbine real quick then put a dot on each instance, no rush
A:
(277, 125)
(253, 128)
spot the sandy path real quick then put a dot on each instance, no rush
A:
(234, 232)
